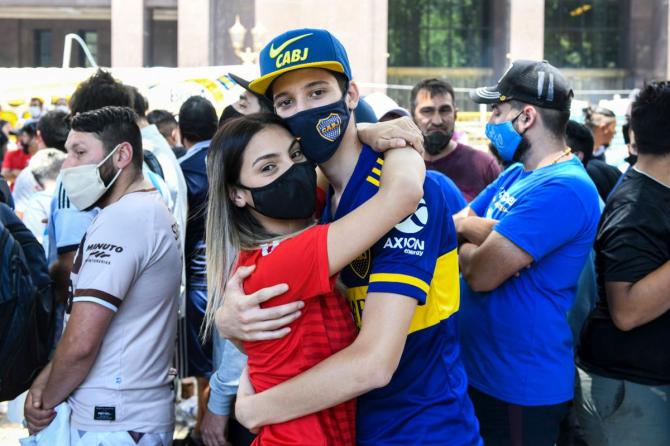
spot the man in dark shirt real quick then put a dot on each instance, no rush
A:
(197, 125)
(624, 362)
(604, 176)
(434, 112)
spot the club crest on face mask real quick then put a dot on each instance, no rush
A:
(320, 129)
(330, 127)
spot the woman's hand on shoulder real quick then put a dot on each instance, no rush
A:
(242, 318)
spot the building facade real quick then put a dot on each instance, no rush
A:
(609, 45)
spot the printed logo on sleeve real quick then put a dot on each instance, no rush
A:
(411, 225)
(415, 222)
(101, 252)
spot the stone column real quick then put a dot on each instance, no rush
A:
(526, 29)
(194, 45)
(128, 33)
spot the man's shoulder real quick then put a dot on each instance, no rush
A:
(133, 208)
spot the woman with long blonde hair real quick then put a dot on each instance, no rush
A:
(262, 194)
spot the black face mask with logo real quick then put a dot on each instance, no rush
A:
(320, 129)
(291, 196)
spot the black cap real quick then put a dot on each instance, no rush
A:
(530, 82)
(29, 128)
(245, 84)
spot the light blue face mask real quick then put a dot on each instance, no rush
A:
(505, 137)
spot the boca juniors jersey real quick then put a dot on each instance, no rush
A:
(426, 401)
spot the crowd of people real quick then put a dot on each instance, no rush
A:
(351, 272)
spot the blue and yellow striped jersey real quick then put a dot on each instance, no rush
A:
(426, 401)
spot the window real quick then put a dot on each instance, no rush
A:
(91, 39)
(581, 34)
(440, 33)
(42, 47)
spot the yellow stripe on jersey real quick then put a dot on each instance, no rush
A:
(443, 297)
(400, 278)
(376, 171)
(372, 180)
(380, 161)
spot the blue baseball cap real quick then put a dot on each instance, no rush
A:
(300, 48)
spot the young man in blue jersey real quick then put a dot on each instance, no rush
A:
(526, 239)
(404, 366)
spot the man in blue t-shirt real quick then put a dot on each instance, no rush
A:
(525, 240)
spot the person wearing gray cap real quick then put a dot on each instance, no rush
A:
(525, 240)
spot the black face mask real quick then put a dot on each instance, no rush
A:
(291, 196)
(229, 113)
(436, 142)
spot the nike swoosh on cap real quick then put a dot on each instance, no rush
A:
(275, 52)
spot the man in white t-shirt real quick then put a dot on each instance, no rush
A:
(44, 166)
(112, 364)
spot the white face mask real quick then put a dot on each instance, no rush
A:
(35, 111)
(63, 108)
(83, 184)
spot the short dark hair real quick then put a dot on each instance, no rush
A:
(112, 125)
(434, 87)
(580, 139)
(650, 119)
(140, 103)
(99, 90)
(54, 127)
(30, 128)
(555, 121)
(35, 98)
(591, 111)
(164, 120)
(197, 119)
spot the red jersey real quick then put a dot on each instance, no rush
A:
(325, 327)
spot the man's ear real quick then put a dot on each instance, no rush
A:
(176, 136)
(237, 196)
(124, 155)
(40, 141)
(528, 118)
(353, 95)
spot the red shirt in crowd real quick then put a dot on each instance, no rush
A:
(471, 169)
(325, 327)
(15, 159)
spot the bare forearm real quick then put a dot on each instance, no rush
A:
(295, 398)
(60, 274)
(474, 229)
(642, 302)
(67, 373)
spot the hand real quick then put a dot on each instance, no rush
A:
(243, 410)
(394, 134)
(214, 429)
(241, 317)
(36, 416)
